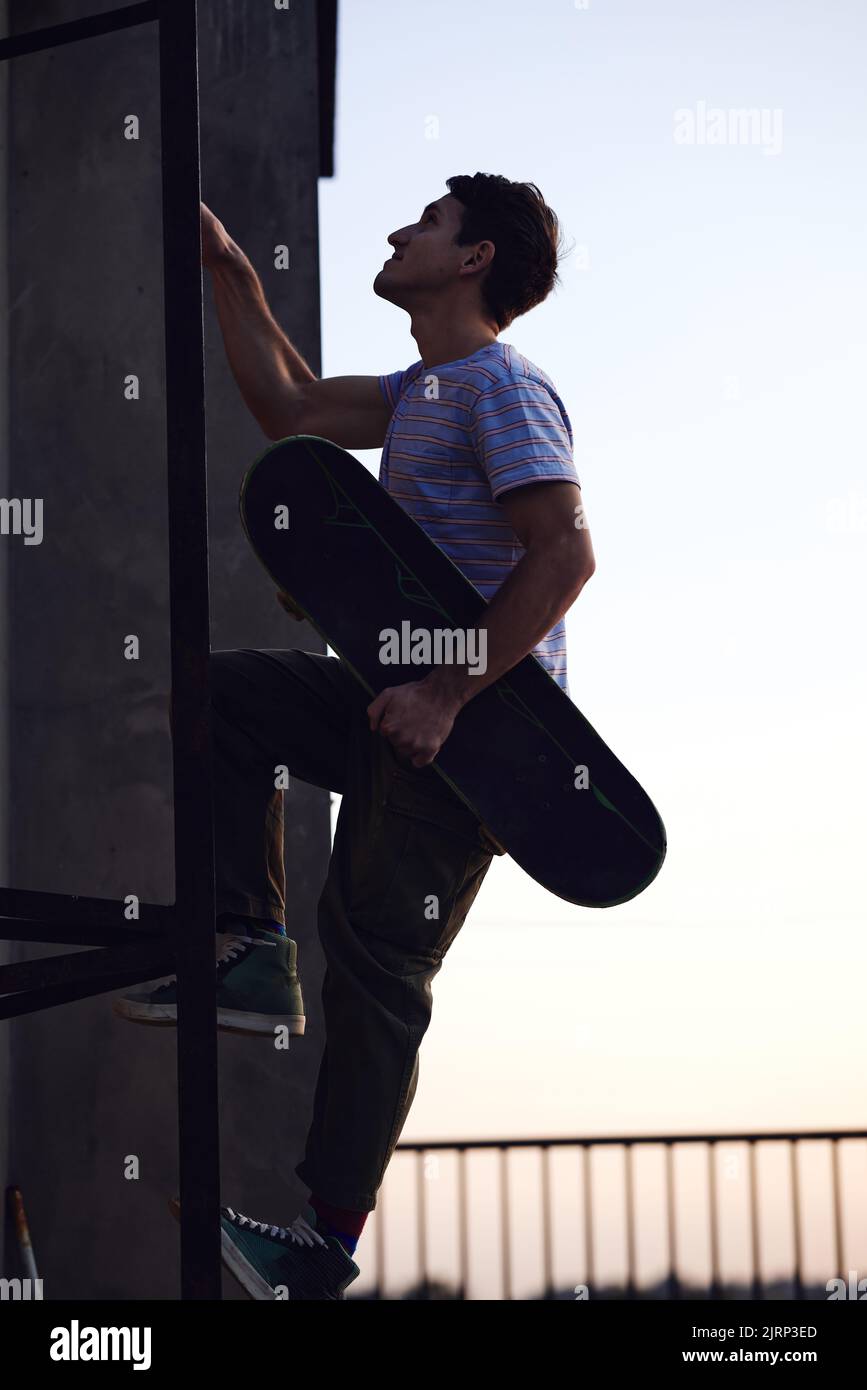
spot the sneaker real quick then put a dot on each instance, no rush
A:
(258, 989)
(282, 1262)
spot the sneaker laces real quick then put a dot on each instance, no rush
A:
(232, 949)
(299, 1233)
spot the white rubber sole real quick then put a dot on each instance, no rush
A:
(249, 1278)
(241, 1269)
(228, 1020)
(251, 1282)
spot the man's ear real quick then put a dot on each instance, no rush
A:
(480, 257)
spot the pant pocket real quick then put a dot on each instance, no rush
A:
(426, 861)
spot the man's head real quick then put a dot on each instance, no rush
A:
(488, 241)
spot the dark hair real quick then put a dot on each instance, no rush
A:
(525, 232)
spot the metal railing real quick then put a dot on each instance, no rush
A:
(411, 1216)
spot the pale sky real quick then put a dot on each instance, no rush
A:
(709, 343)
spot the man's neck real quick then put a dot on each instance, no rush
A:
(440, 341)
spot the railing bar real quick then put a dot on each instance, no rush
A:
(463, 1225)
(839, 1262)
(570, 1141)
(796, 1216)
(421, 1224)
(755, 1242)
(504, 1224)
(671, 1222)
(713, 1216)
(587, 1182)
(379, 1245)
(630, 1222)
(547, 1225)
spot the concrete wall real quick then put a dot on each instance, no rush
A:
(90, 771)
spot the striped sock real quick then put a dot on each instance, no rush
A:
(341, 1222)
(237, 922)
(274, 928)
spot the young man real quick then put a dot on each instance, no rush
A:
(477, 446)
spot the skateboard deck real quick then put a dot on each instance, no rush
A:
(521, 755)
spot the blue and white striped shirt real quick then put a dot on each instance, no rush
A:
(461, 436)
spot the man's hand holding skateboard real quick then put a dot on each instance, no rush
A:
(416, 718)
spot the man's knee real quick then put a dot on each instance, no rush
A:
(222, 666)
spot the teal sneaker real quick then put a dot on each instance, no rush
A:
(258, 989)
(283, 1262)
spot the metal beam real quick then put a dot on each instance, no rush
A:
(49, 996)
(70, 907)
(190, 649)
(147, 960)
(90, 27)
(76, 933)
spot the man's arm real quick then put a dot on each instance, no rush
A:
(276, 383)
(548, 578)
(557, 563)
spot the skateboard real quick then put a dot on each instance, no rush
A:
(521, 755)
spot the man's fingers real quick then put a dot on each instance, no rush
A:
(376, 710)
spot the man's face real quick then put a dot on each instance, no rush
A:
(425, 258)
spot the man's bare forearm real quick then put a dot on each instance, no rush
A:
(531, 601)
(266, 366)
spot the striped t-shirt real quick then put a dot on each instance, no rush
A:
(461, 436)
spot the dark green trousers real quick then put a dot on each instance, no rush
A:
(407, 862)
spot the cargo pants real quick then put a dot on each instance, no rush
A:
(407, 862)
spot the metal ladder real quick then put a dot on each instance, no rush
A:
(178, 938)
